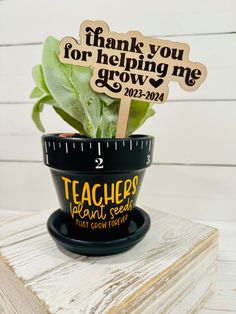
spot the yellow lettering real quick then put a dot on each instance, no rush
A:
(86, 194)
(75, 209)
(94, 189)
(87, 213)
(135, 183)
(102, 214)
(108, 198)
(127, 187)
(118, 200)
(74, 194)
(66, 186)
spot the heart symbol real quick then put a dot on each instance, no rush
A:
(156, 83)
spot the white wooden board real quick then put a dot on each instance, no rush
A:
(35, 20)
(185, 132)
(194, 192)
(16, 63)
(222, 302)
(171, 269)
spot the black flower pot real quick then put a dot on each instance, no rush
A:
(97, 181)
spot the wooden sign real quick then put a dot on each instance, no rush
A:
(131, 66)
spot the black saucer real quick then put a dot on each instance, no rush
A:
(138, 227)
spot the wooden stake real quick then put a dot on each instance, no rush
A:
(123, 117)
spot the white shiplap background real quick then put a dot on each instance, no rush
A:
(194, 170)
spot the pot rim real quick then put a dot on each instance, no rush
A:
(97, 154)
(83, 138)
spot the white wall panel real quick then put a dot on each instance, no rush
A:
(31, 21)
(194, 192)
(193, 128)
(185, 132)
(216, 52)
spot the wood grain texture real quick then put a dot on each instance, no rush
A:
(170, 252)
(224, 299)
(225, 296)
(207, 311)
(7, 215)
(154, 17)
(14, 298)
(16, 63)
(227, 240)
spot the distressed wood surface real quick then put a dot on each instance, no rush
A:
(224, 299)
(19, 299)
(175, 262)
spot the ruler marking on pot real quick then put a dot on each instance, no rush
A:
(142, 144)
(136, 143)
(99, 149)
(73, 145)
(67, 148)
(46, 148)
(130, 145)
(59, 144)
(150, 144)
(49, 144)
(107, 144)
(146, 142)
(82, 147)
(115, 145)
(123, 143)
(90, 145)
(47, 161)
(54, 147)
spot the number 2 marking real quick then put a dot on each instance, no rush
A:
(99, 162)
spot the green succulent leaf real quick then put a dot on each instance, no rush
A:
(37, 109)
(71, 121)
(139, 112)
(70, 87)
(108, 122)
(36, 93)
(107, 99)
(67, 89)
(37, 73)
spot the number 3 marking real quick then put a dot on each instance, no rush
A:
(99, 162)
(148, 160)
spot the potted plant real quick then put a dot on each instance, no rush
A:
(97, 176)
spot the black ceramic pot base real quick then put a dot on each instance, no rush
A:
(138, 227)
